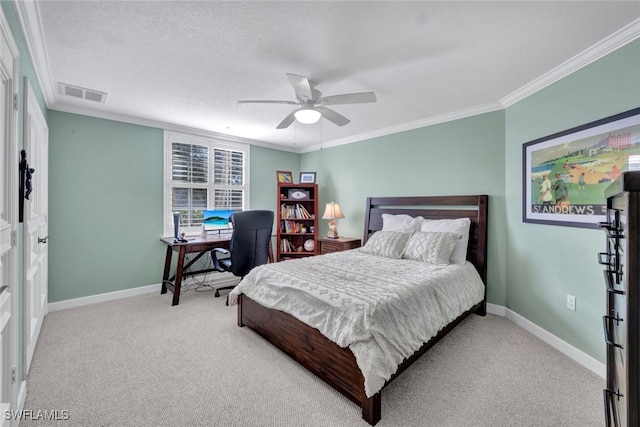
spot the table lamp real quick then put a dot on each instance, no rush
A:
(332, 212)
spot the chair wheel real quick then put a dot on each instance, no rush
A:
(217, 294)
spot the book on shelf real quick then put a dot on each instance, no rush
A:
(296, 211)
(291, 226)
(286, 246)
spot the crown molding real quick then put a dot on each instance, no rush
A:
(625, 35)
(29, 16)
(430, 121)
(83, 111)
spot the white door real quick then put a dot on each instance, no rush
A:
(8, 253)
(8, 222)
(36, 232)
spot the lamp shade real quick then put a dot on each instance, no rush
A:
(307, 115)
(332, 211)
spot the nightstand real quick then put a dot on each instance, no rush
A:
(328, 245)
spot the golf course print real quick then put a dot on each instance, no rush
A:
(568, 175)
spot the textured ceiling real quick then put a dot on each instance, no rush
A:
(187, 63)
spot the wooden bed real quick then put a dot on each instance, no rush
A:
(335, 365)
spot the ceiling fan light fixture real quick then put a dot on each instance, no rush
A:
(307, 97)
(307, 116)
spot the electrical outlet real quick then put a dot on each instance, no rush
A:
(571, 302)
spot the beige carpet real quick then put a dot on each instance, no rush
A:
(141, 362)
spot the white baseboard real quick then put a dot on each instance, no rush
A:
(109, 296)
(496, 309)
(565, 348)
(126, 293)
(22, 395)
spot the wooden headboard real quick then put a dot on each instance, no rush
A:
(437, 207)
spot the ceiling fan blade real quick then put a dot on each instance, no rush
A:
(332, 116)
(301, 86)
(267, 101)
(287, 121)
(348, 98)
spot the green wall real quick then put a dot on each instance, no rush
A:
(105, 206)
(545, 263)
(264, 164)
(106, 196)
(460, 157)
(105, 203)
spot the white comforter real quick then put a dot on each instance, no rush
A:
(382, 309)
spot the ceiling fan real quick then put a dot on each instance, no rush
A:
(312, 103)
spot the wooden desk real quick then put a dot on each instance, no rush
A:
(194, 244)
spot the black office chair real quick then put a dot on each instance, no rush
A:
(249, 246)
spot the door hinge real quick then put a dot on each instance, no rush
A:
(15, 101)
(13, 374)
(14, 238)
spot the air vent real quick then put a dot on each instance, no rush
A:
(82, 93)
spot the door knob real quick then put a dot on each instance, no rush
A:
(43, 239)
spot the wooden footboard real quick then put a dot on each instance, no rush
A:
(335, 365)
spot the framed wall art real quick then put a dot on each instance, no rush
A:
(565, 174)
(284, 177)
(307, 177)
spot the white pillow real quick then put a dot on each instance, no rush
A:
(431, 247)
(458, 226)
(388, 244)
(402, 222)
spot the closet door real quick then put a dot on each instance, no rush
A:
(9, 287)
(36, 231)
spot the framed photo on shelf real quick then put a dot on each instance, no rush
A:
(307, 177)
(285, 177)
(564, 175)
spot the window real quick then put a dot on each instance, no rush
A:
(202, 173)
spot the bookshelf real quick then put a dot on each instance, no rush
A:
(297, 232)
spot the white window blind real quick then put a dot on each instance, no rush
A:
(228, 177)
(190, 163)
(190, 176)
(202, 174)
